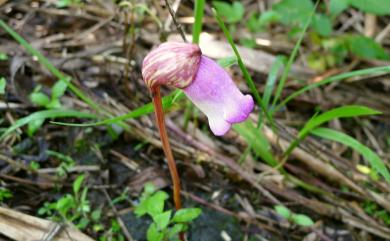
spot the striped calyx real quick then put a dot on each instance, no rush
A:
(173, 64)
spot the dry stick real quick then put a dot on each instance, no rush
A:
(178, 26)
(168, 21)
(118, 218)
(160, 120)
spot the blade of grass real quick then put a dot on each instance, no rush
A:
(44, 114)
(340, 112)
(146, 109)
(277, 65)
(374, 160)
(198, 14)
(227, 61)
(45, 62)
(336, 78)
(292, 57)
(189, 111)
(257, 141)
(262, 148)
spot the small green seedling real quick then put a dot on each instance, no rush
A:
(67, 162)
(53, 102)
(114, 233)
(3, 56)
(3, 83)
(376, 211)
(41, 99)
(299, 219)
(66, 3)
(5, 194)
(165, 226)
(73, 207)
(232, 13)
(35, 165)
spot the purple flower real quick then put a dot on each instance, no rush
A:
(205, 83)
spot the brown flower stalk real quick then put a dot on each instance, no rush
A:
(160, 120)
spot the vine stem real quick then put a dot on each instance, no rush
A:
(160, 120)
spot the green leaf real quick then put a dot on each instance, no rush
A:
(35, 165)
(5, 194)
(283, 211)
(3, 56)
(340, 112)
(332, 79)
(84, 202)
(58, 89)
(276, 67)
(77, 184)
(149, 189)
(96, 215)
(152, 205)
(294, 53)
(177, 95)
(248, 42)
(162, 219)
(374, 160)
(54, 104)
(156, 203)
(115, 226)
(337, 6)
(366, 48)
(186, 215)
(34, 125)
(66, 3)
(177, 228)
(65, 204)
(198, 14)
(293, 12)
(98, 227)
(167, 102)
(268, 17)
(232, 13)
(43, 115)
(253, 23)
(257, 23)
(83, 223)
(153, 234)
(302, 220)
(317, 61)
(378, 7)
(337, 48)
(322, 25)
(39, 98)
(3, 83)
(257, 141)
(63, 3)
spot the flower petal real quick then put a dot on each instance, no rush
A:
(239, 111)
(171, 63)
(216, 95)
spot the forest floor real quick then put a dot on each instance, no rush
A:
(93, 175)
